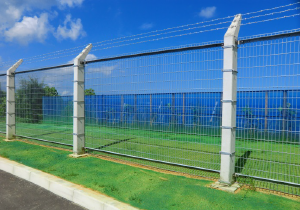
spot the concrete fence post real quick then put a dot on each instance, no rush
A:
(11, 101)
(229, 102)
(78, 103)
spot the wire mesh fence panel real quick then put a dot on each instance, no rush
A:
(44, 105)
(163, 107)
(268, 105)
(2, 104)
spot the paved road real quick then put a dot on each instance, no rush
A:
(16, 193)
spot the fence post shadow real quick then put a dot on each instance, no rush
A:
(239, 166)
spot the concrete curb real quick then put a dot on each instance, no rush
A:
(72, 192)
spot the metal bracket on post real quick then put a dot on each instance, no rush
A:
(229, 102)
(78, 103)
(10, 101)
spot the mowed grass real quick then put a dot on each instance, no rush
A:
(266, 159)
(141, 188)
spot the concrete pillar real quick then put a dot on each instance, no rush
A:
(10, 101)
(78, 103)
(229, 102)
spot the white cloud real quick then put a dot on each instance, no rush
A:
(29, 29)
(13, 12)
(207, 12)
(71, 3)
(90, 57)
(65, 93)
(106, 70)
(71, 29)
(146, 26)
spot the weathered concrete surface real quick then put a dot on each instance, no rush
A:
(17, 193)
(225, 187)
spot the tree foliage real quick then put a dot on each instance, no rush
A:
(89, 92)
(50, 91)
(29, 97)
(2, 103)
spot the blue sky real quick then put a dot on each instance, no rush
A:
(32, 27)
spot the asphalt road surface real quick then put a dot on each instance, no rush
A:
(16, 193)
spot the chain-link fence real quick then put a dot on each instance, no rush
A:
(163, 107)
(2, 103)
(268, 126)
(44, 105)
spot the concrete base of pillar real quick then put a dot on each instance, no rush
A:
(225, 187)
(8, 140)
(78, 156)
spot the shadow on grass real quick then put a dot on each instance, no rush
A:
(45, 134)
(116, 142)
(240, 164)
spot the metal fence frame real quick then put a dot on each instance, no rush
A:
(227, 154)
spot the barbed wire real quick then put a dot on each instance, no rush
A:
(79, 47)
(250, 13)
(138, 38)
(72, 49)
(277, 18)
(196, 32)
(272, 13)
(69, 52)
(187, 29)
(270, 34)
(173, 36)
(95, 46)
(195, 23)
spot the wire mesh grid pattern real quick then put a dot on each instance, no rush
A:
(166, 107)
(162, 107)
(268, 123)
(44, 105)
(2, 103)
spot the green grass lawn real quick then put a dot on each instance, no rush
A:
(275, 160)
(141, 188)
